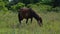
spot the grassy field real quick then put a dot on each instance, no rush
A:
(51, 22)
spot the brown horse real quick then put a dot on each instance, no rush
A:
(26, 13)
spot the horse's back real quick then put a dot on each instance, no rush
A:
(25, 12)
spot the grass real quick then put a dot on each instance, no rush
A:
(51, 23)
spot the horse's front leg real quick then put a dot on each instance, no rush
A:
(31, 20)
(26, 20)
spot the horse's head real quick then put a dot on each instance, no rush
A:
(37, 17)
(40, 21)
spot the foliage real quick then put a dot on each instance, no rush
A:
(51, 22)
(17, 6)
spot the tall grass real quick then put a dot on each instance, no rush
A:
(51, 22)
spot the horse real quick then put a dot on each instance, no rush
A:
(28, 13)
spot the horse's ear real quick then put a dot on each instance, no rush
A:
(30, 9)
(19, 9)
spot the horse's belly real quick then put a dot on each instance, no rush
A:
(25, 15)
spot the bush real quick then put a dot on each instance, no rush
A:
(17, 6)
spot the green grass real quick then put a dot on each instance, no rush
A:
(9, 23)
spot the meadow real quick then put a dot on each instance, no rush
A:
(9, 23)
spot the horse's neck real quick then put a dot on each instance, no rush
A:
(36, 16)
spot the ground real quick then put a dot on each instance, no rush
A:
(9, 23)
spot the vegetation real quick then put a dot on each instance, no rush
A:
(9, 23)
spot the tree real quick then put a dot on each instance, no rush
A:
(55, 3)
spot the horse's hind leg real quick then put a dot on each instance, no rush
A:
(26, 20)
(20, 18)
